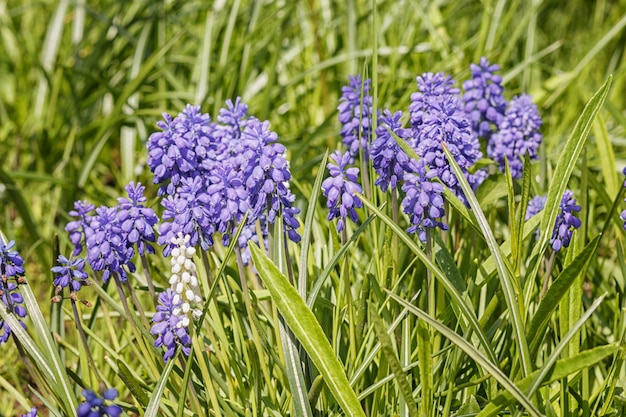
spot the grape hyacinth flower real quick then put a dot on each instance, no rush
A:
(189, 212)
(11, 275)
(174, 153)
(107, 246)
(518, 132)
(340, 189)
(429, 86)
(388, 159)
(31, 413)
(483, 100)
(137, 221)
(69, 273)
(566, 222)
(445, 122)
(424, 200)
(355, 116)
(96, 406)
(184, 281)
(623, 214)
(76, 228)
(166, 326)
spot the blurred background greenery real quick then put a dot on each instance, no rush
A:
(82, 83)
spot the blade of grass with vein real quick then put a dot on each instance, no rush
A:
(556, 292)
(473, 353)
(545, 368)
(308, 331)
(450, 288)
(606, 155)
(394, 364)
(308, 224)
(509, 290)
(562, 369)
(564, 167)
(155, 399)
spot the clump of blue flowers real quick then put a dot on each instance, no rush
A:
(11, 275)
(169, 327)
(340, 189)
(69, 273)
(96, 406)
(355, 116)
(518, 133)
(566, 220)
(389, 160)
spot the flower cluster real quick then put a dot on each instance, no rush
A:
(566, 221)
(11, 275)
(31, 413)
(355, 116)
(96, 406)
(340, 189)
(180, 301)
(213, 173)
(111, 234)
(423, 202)
(623, 214)
(69, 273)
(483, 100)
(518, 133)
(388, 159)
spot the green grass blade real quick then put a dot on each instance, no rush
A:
(473, 353)
(308, 225)
(155, 399)
(556, 292)
(394, 363)
(565, 166)
(562, 369)
(447, 284)
(308, 331)
(545, 369)
(606, 155)
(509, 290)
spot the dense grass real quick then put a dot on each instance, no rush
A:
(83, 84)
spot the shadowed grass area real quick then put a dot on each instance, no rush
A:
(82, 85)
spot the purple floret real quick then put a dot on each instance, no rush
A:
(11, 271)
(566, 221)
(96, 406)
(166, 326)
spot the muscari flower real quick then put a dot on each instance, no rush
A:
(423, 200)
(483, 100)
(76, 228)
(11, 275)
(445, 122)
(166, 326)
(69, 273)
(96, 406)
(623, 214)
(429, 86)
(566, 222)
(388, 159)
(355, 116)
(137, 221)
(518, 132)
(340, 189)
(175, 152)
(184, 281)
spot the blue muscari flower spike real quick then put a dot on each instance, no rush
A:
(176, 152)
(77, 228)
(483, 100)
(424, 199)
(444, 122)
(69, 273)
(137, 221)
(429, 86)
(31, 413)
(566, 222)
(355, 116)
(107, 246)
(189, 213)
(388, 159)
(340, 189)
(96, 406)
(11, 274)
(167, 326)
(518, 132)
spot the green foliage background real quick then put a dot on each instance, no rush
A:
(82, 85)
